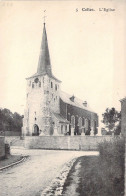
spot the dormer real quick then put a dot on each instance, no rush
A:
(72, 98)
(85, 103)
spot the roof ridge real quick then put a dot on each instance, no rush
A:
(77, 102)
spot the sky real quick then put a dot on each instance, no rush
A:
(87, 50)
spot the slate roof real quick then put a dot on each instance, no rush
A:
(60, 118)
(44, 63)
(77, 102)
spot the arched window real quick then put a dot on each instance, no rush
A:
(39, 84)
(51, 85)
(72, 121)
(83, 121)
(80, 122)
(61, 129)
(56, 87)
(89, 124)
(32, 85)
(86, 123)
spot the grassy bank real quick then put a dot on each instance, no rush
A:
(11, 159)
(102, 175)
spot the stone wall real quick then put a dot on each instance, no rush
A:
(12, 133)
(65, 142)
(42, 97)
(2, 147)
(11, 139)
(89, 119)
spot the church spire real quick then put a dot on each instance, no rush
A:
(44, 65)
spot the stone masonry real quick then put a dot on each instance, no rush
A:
(50, 111)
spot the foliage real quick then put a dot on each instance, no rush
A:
(101, 175)
(118, 128)
(112, 159)
(111, 119)
(10, 121)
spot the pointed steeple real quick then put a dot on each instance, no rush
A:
(44, 65)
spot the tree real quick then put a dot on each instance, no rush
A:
(10, 121)
(112, 119)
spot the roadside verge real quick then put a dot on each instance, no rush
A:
(19, 160)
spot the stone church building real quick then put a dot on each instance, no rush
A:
(49, 111)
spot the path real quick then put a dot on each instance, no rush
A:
(32, 176)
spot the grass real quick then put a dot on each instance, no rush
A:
(102, 175)
(69, 178)
(11, 159)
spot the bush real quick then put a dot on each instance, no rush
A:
(112, 156)
(101, 175)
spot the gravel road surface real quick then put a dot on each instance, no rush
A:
(36, 173)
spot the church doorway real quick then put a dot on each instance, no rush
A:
(35, 130)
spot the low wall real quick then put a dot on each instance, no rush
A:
(64, 142)
(12, 133)
(11, 139)
(2, 147)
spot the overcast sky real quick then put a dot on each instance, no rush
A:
(87, 50)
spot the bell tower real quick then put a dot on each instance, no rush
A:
(42, 99)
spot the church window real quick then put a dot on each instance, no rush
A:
(51, 85)
(83, 121)
(32, 85)
(86, 123)
(39, 84)
(52, 95)
(61, 129)
(72, 121)
(56, 87)
(65, 127)
(80, 122)
(43, 79)
(54, 99)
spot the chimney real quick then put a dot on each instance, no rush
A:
(85, 103)
(72, 98)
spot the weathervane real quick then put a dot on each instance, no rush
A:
(44, 16)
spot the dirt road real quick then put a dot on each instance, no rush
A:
(32, 176)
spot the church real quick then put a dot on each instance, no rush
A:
(50, 111)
